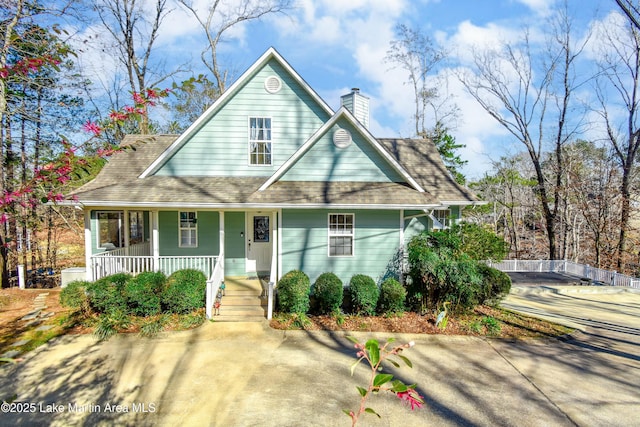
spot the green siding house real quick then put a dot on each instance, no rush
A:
(267, 180)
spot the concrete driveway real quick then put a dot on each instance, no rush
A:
(250, 375)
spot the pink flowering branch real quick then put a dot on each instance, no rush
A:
(375, 355)
(52, 177)
(27, 65)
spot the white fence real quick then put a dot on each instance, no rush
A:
(568, 267)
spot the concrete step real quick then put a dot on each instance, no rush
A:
(243, 300)
(230, 318)
(242, 293)
(243, 311)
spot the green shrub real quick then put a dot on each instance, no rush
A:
(185, 291)
(293, 292)
(143, 293)
(328, 292)
(496, 284)
(439, 272)
(392, 297)
(74, 295)
(192, 320)
(153, 326)
(479, 242)
(492, 325)
(364, 294)
(106, 295)
(110, 323)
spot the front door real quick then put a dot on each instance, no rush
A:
(259, 242)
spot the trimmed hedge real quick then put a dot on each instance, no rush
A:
(107, 294)
(328, 293)
(143, 293)
(392, 297)
(293, 292)
(74, 295)
(364, 294)
(185, 291)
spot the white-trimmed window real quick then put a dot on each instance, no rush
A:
(341, 227)
(110, 229)
(260, 141)
(443, 216)
(188, 229)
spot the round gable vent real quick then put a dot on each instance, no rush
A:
(272, 84)
(341, 138)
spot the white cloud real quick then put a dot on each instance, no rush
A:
(540, 7)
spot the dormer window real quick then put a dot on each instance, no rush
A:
(260, 141)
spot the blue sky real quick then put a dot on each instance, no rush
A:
(339, 44)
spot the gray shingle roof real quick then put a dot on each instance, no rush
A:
(421, 159)
(118, 183)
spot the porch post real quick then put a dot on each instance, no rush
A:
(221, 243)
(127, 231)
(279, 244)
(275, 239)
(155, 240)
(87, 246)
(401, 249)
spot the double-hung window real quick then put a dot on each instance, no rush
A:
(443, 216)
(259, 140)
(110, 230)
(341, 234)
(188, 229)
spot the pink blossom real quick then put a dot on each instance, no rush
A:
(152, 94)
(4, 218)
(411, 397)
(8, 198)
(138, 98)
(56, 197)
(92, 128)
(117, 116)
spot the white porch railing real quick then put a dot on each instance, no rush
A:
(107, 263)
(138, 249)
(213, 285)
(569, 267)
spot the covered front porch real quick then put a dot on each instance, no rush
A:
(218, 243)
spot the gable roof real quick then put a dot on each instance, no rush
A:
(129, 178)
(118, 184)
(346, 114)
(270, 54)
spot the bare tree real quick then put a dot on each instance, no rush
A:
(419, 56)
(134, 32)
(531, 100)
(632, 10)
(618, 91)
(222, 16)
(593, 179)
